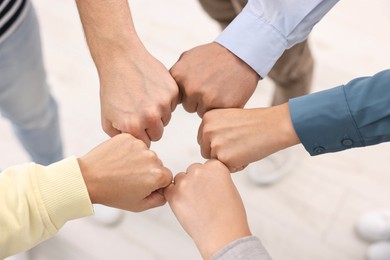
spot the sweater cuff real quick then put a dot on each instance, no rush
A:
(246, 248)
(63, 191)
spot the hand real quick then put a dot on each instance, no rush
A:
(208, 206)
(137, 96)
(210, 76)
(123, 173)
(238, 137)
(137, 93)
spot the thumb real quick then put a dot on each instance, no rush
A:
(155, 199)
(168, 192)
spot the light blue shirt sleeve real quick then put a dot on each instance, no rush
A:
(266, 28)
(354, 115)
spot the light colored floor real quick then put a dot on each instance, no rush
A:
(308, 215)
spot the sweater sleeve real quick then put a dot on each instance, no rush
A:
(353, 115)
(36, 201)
(246, 248)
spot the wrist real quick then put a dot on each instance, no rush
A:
(86, 173)
(112, 55)
(211, 245)
(236, 60)
(288, 136)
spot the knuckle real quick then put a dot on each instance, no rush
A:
(207, 130)
(215, 147)
(224, 157)
(151, 155)
(161, 176)
(204, 153)
(209, 102)
(129, 125)
(187, 106)
(194, 167)
(152, 115)
(175, 72)
(107, 130)
(140, 144)
(208, 117)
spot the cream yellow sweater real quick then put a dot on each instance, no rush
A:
(36, 201)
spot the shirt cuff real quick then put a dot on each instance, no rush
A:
(245, 37)
(324, 123)
(246, 248)
(63, 191)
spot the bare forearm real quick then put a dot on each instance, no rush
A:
(286, 132)
(109, 29)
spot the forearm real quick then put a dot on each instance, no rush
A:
(354, 115)
(36, 201)
(109, 29)
(285, 135)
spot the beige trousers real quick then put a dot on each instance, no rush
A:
(292, 73)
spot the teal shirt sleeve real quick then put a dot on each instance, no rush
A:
(353, 115)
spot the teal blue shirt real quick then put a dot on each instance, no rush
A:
(353, 115)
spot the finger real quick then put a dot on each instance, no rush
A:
(199, 137)
(200, 108)
(234, 169)
(109, 129)
(155, 130)
(176, 100)
(155, 199)
(214, 163)
(144, 137)
(218, 164)
(135, 128)
(179, 178)
(169, 192)
(213, 153)
(181, 91)
(159, 162)
(176, 77)
(203, 109)
(192, 168)
(204, 143)
(241, 167)
(166, 118)
(165, 178)
(190, 104)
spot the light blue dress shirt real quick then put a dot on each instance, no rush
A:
(266, 28)
(353, 115)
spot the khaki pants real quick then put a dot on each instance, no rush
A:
(292, 73)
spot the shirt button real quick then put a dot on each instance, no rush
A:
(319, 149)
(347, 142)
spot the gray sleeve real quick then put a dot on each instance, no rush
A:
(246, 248)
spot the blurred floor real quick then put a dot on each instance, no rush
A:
(308, 215)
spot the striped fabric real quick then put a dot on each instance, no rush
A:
(11, 14)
